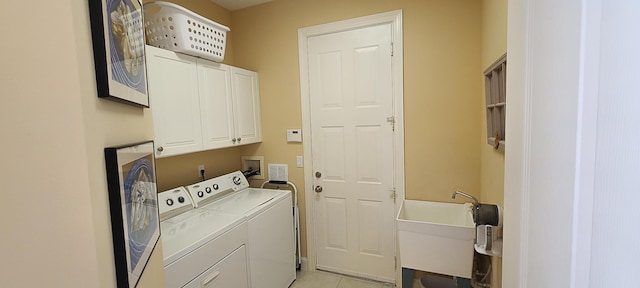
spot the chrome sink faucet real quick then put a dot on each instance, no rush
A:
(475, 201)
(476, 206)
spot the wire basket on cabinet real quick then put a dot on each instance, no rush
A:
(172, 27)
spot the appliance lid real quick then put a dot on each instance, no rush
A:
(244, 202)
(185, 232)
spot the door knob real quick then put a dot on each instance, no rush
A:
(318, 189)
(318, 174)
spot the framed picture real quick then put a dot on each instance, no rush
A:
(133, 199)
(118, 50)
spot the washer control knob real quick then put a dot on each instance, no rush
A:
(169, 202)
(181, 199)
(200, 194)
(208, 189)
(237, 180)
(215, 187)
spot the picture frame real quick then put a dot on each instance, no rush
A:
(119, 50)
(133, 202)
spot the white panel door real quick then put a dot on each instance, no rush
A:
(174, 102)
(350, 84)
(214, 84)
(246, 104)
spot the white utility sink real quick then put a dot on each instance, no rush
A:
(436, 237)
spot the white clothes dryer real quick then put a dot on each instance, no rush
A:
(271, 246)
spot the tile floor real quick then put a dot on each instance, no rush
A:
(321, 279)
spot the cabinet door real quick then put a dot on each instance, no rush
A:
(229, 272)
(214, 84)
(174, 102)
(246, 105)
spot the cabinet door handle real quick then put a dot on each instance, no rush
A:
(233, 140)
(239, 139)
(160, 149)
(210, 278)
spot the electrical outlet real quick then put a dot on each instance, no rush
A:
(200, 170)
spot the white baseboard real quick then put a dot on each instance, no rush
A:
(304, 264)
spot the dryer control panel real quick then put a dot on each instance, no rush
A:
(173, 202)
(214, 188)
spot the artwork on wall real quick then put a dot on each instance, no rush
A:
(118, 50)
(133, 201)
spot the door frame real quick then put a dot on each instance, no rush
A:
(524, 17)
(395, 19)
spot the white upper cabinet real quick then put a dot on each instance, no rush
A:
(246, 104)
(175, 102)
(216, 104)
(199, 104)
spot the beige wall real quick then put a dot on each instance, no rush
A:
(67, 237)
(48, 232)
(182, 170)
(57, 233)
(442, 39)
(439, 88)
(494, 45)
(107, 123)
(442, 49)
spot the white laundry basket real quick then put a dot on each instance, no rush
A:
(172, 27)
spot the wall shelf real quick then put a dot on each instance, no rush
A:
(495, 94)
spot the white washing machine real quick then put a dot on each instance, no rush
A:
(221, 233)
(201, 248)
(271, 246)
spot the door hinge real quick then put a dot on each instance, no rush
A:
(393, 194)
(395, 262)
(392, 121)
(391, 49)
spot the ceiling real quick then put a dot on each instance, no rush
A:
(238, 4)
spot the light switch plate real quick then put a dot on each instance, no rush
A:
(299, 161)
